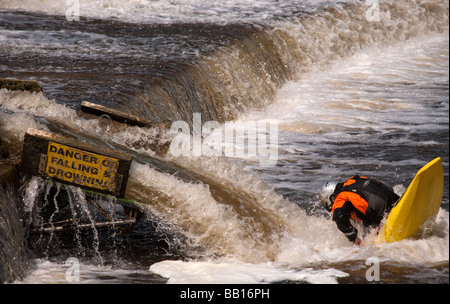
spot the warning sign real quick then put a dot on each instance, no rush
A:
(80, 167)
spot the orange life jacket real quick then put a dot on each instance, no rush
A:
(364, 194)
(357, 201)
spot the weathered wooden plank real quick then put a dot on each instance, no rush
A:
(116, 115)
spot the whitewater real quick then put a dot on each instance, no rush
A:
(349, 96)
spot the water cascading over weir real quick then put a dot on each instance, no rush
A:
(218, 70)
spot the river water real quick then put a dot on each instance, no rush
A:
(331, 88)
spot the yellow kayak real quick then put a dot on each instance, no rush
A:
(420, 202)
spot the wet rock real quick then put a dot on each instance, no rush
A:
(20, 85)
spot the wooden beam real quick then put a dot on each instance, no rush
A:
(116, 115)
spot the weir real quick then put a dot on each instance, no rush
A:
(241, 70)
(222, 70)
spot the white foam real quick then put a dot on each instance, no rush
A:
(192, 207)
(34, 104)
(53, 272)
(317, 249)
(430, 247)
(358, 92)
(179, 272)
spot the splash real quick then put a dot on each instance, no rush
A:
(50, 208)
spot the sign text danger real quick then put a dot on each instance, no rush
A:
(80, 167)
